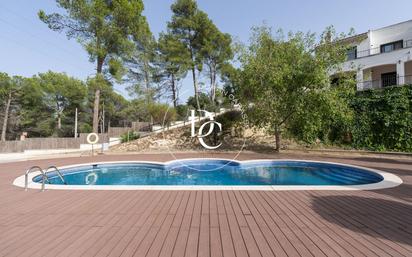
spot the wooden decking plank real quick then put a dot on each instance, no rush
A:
(364, 239)
(281, 238)
(206, 223)
(216, 248)
(233, 220)
(143, 240)
(308, 229)
(159, 241)
(314, 230)
(284, 227)
(15, 248)
(169, 242)
(348, 220)
(128, 226)
(193, 240)
(150, 224)
(337, 235)
(256, 223)
(181, 240)
(78, 245)
(227, 241)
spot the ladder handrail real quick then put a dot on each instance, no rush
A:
(26, 177)
(58, 173)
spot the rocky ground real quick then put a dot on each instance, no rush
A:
(179, 139)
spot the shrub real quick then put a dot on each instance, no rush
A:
(204, 101)
(383, 119)
(162, 113)
(182, 112)
(229, 119)
(129, 136)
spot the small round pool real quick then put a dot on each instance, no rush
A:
(217, 173)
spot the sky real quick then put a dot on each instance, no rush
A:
(28, 47)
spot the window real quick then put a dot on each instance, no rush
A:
(386, 48)
(389, 79)
(352, 53)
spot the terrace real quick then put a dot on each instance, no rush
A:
(207, 223)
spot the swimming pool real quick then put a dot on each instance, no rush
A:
(219, 174)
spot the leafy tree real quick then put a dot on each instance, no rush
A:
(281, 77)
(142, 64)
(9, 90)
(62, 94)
(182, 111)
(204, 103)
(173, 61)
(110, 102)
(187, 25)
(114, 104)
(34, 113)
(136, 110)
(162, 113)
(216, 52)
(103, 28)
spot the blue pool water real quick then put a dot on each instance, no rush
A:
(216, 172)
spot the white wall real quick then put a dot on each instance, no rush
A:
(378, 60)
(370, 58)
(378, 37)
(401, 31)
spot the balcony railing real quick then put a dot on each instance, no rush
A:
(388, 82)
(377, 50)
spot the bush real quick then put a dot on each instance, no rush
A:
(162, 113)
(229, 119)
(204, 101)
(383, 119)
(129, 136)
(182, 112)
(328, 118)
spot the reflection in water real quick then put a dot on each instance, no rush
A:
(91, 178)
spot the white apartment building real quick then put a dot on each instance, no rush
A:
(381, 57)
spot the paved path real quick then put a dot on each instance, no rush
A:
(206, 223)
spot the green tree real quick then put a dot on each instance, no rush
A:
(62, 94)
(103, 28)
(216, 52)
(34, 114)
(188, 25)
(281, 77)
(173, 62)
(9, 91)
(142, 65)
(204, 103)
(113, 106)
(162, 113)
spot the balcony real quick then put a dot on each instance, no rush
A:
(352, 55)
(387, 82)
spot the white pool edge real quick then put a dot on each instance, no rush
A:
(389, 180)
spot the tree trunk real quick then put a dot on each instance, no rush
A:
(100, 61)
(174, 91)
(195, 87)
(6, 117)
(277, 137)
(59, 122)
(96, 111)
(149, 96)
(213, 83)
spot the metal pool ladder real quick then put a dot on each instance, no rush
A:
(44, 176)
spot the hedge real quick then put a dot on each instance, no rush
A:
(383, 119)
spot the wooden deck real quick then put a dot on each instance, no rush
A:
(206, 223)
